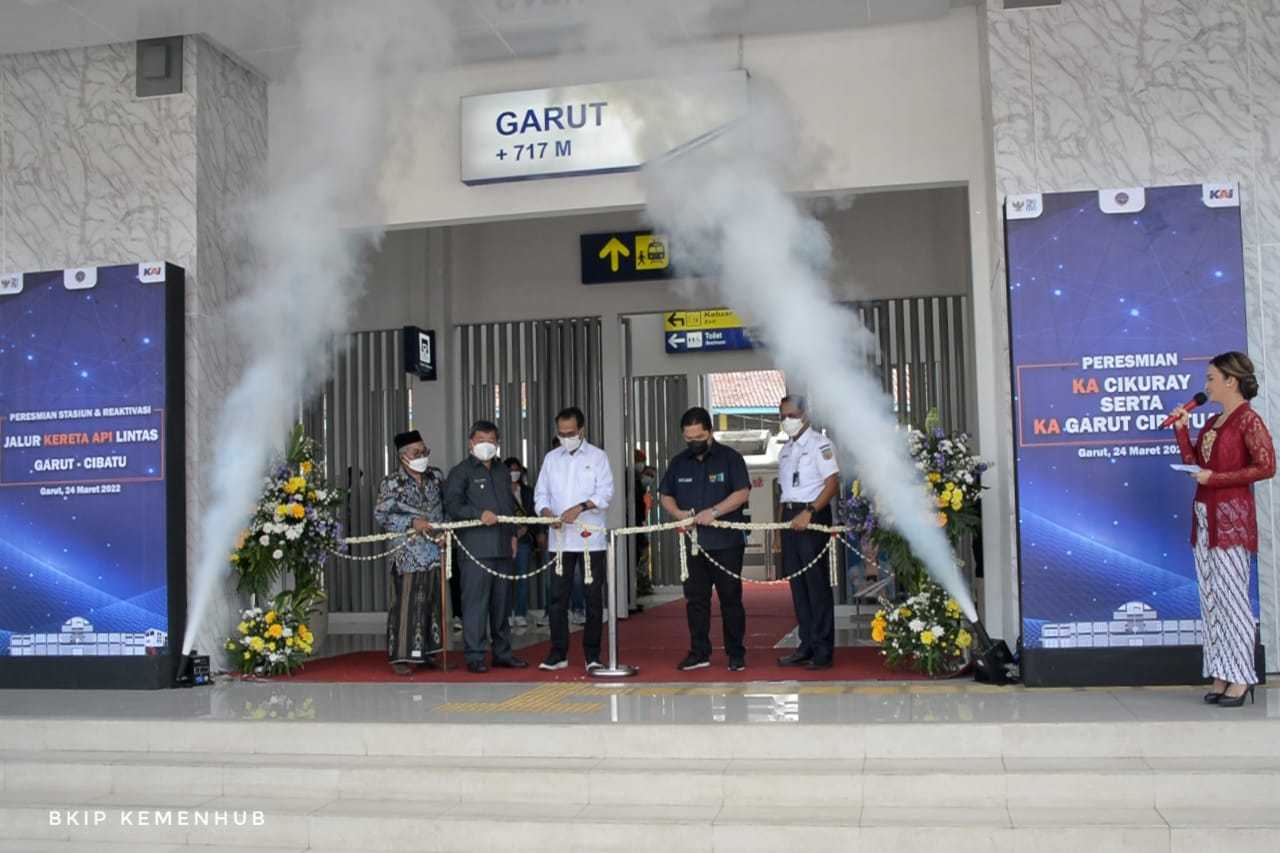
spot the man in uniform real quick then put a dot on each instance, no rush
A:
(411, 498)
(810, 478)
(706, 482)
(575, 484)
(479, 487)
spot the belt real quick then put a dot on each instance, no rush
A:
(801, 505)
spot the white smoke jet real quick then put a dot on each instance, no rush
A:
(726, 207)
(356, 62)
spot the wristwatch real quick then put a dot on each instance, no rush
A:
(810, 508)
(715, 512)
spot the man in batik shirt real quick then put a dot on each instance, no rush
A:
(411, 499)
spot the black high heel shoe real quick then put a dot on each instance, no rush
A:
(1236, 701)
(1212, 698)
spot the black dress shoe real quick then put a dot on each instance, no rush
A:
(1235, 701)
(476, 666)
(1212, 698)
(510, 663)
(402, 669)
(818, 664)
(794, 659)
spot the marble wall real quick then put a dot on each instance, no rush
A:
(91, 175)
(1098, 93)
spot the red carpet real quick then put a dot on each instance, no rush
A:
(654, 641)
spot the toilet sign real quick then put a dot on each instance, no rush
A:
(704, 331)
(625, 256)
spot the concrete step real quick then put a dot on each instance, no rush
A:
(1164, 783)
(379, 825)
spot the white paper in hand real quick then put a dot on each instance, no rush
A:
(1186, 469)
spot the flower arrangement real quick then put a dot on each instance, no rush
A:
(272, 642)
(951, 475)
(294, 527)
(926, 632)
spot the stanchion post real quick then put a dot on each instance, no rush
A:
(614, 669)
(445, 631)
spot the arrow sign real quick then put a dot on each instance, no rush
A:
(675, 341)
(613, 249)
(676, 318)
(618, 256)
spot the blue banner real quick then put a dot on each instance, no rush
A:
(708, 340)
(83, 417)
(1117, 301)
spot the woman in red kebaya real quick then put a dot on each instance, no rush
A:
(1234, 451)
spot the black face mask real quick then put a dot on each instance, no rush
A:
(697, 448)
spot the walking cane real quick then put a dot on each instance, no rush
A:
(614, 669)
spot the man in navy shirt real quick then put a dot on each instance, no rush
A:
(709, 482)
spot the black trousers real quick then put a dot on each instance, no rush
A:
(811, 593)
(558, 607)
(485, 605)
(697, 595)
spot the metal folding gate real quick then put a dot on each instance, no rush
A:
(651, 420)
(519, 375)
(355, 417)
(920, 355)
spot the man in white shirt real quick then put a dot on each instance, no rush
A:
(810, 477)
(575, 485)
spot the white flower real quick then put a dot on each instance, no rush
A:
(916, 626)
(937, 631)
(277, 554)
(264, 540)
(288, 632)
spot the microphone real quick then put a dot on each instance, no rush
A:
(1195, 402)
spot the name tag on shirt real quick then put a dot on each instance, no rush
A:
(715, 478)
(684, 479)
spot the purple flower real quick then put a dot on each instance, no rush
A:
(938, 433)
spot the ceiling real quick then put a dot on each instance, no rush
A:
(265, 33)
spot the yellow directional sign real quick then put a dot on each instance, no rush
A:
(611, 250)
(689, 321)
(625, 256)
(651, 252)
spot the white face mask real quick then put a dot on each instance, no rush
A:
(515, 476)
(570, 442)
(419, 464)
(792, 426)
(484, 451)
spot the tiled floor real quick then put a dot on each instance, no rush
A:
(774, 702)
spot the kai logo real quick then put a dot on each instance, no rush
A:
(10, 284)
(1222, 193)
(151, 273)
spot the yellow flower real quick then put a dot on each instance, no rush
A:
(243, 627)
(963, 639)
(311, 496)
(306, 466)
(235, 558)
(295, 484)
(303, 629)
(904, 612)
(951, 487)
(942, 519)
(298, 511)
(934, 476)
(271, 647)
(246, 656)
(288, 641)
(257, 644)
(953, 607)
(281, 510)
(943, 500)
(877, 633)
(231, 647)
(270, 617)
(926, 637)
(276, 630)
(957, 502)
